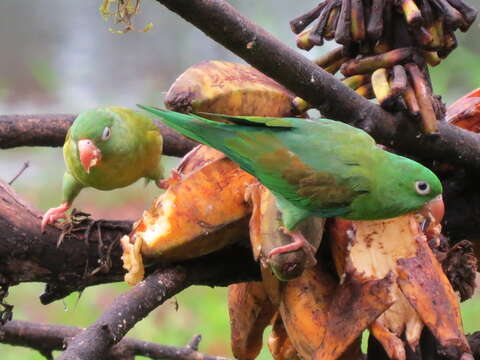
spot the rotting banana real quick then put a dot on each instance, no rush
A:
(322, 318)
(202, 210)
(397, 246)
(382, 89)
(265, 236)
(229, 88)
(465, 112)
(424, 97)
(279, 343)
(250, 313)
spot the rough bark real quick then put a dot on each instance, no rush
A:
(45, 338)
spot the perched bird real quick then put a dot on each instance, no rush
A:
(314, 167)
(108, 148)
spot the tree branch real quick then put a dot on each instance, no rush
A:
(45, 338)
(227, 26)
(76, 257)
(132, 306)
(126, 310)
(51, 129)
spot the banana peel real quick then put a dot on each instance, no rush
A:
(279, 343)
(265, 235)
(422, 293)
(250, 313)
(228, 88)
(465, 112)
(323, 317)
(202, 210)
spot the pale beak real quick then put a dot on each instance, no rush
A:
(435, 208)
(90, 155)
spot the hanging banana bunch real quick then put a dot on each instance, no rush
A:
(389, 43)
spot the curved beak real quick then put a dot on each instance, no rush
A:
(90, 155)
(436, 208)
(431, 216)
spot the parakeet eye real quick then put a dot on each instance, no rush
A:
(106, 134)
(422, 187)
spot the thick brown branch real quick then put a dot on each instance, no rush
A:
(46, 338)
(27, 255)
(51, 129)
(227, 26)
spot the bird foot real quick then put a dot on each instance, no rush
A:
(299, 242)
(174, 178)
(53, 214)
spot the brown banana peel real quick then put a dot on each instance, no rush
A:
(265, 235)
(279, 343)
(465, 112)
(397, 246)
(323, 318)
(203, 210)
(228, 88)
(250, 313)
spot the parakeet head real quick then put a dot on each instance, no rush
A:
(95, 132)
(418, 184)
(406, 186)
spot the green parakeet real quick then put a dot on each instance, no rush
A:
(315, 167)
(108, 148)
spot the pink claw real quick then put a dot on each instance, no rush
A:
(53, 214)
(299, 242)
(174, 178)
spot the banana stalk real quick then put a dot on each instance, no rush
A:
(369, 64)
(469, 13)
(375, 21)
(303, 40)
(358, 21)
(343, 31)
(329, 32)
(412, 13)
(382, 89)
(355, 81)
(411, 101)
(431, 57)
(330, 57)
(366, 91)
(424, 98)
(300, 23)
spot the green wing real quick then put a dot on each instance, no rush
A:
(290, 156)
(255, 120)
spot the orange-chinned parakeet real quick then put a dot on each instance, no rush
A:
(108, 148)
(315, 167)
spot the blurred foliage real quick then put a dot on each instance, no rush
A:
(67, 62)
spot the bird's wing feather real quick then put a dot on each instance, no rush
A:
(260, 121)
(283, 157)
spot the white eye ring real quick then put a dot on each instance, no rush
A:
(422, 187)
(106, 133)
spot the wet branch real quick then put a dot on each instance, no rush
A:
(45, 338)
